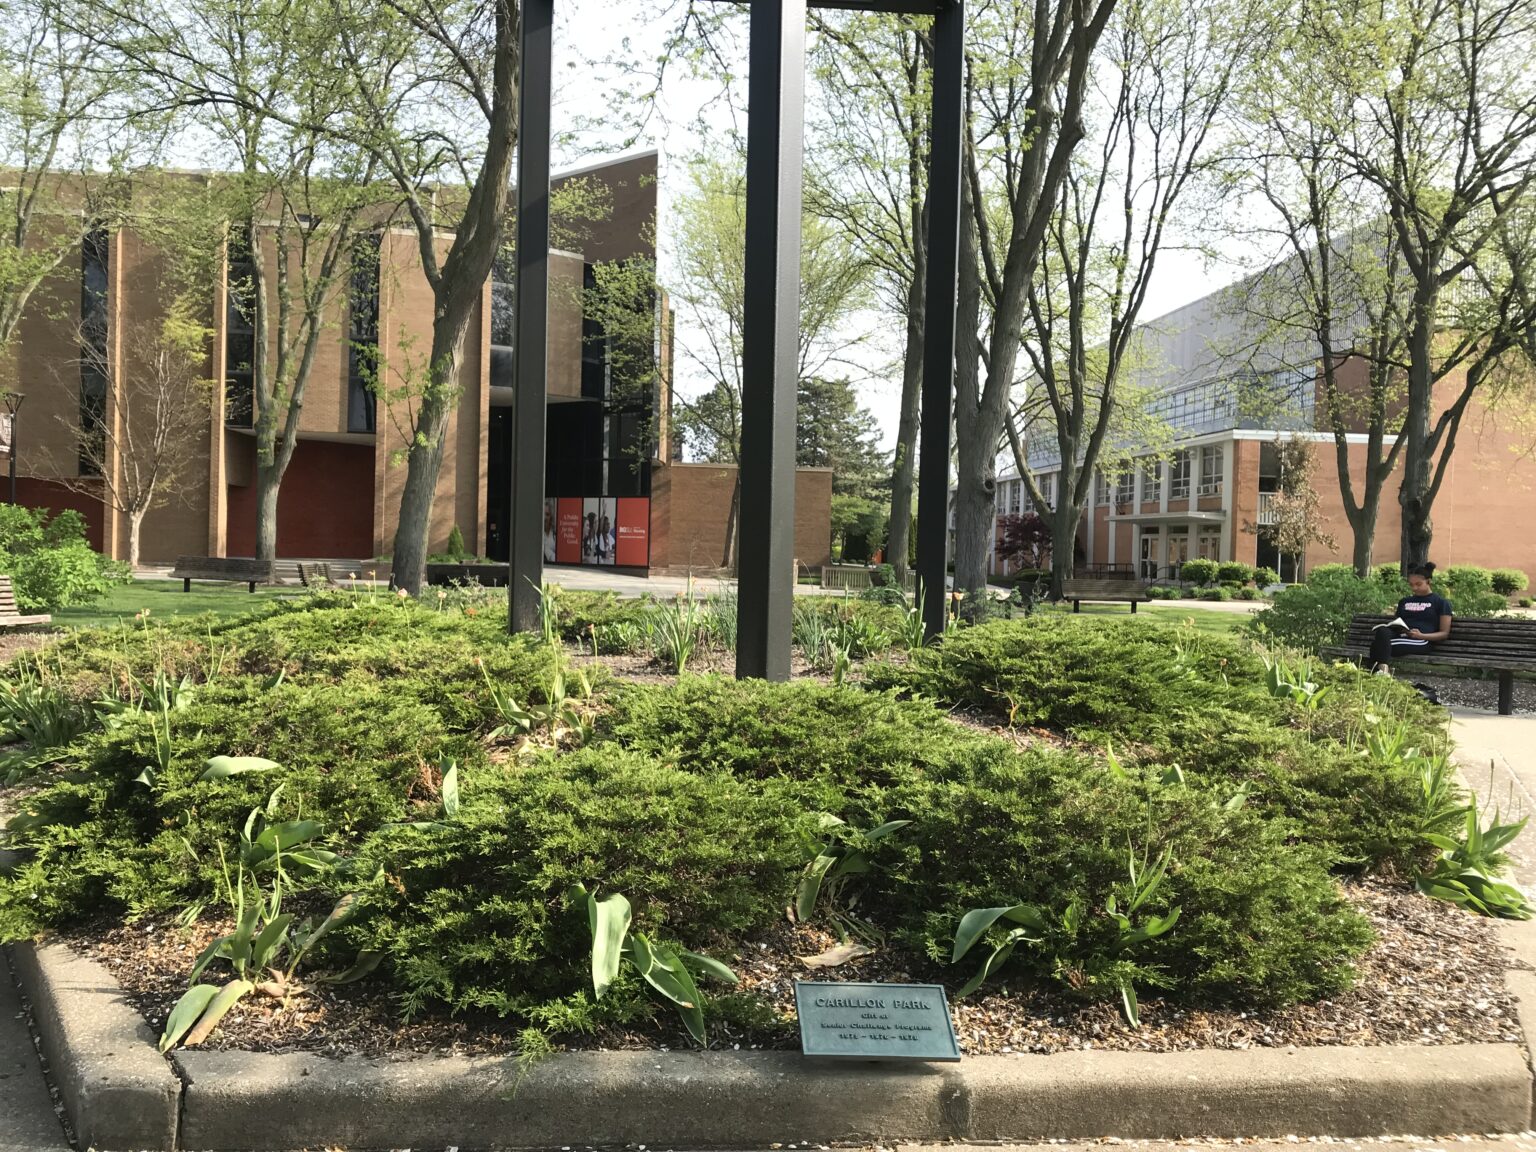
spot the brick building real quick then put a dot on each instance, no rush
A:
(1202, 494)
(614, 494)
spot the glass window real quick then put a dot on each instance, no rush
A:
(363, 337)
(1048, 490)
(1152, 480)
(239, 338)
(1209, 545)
(1212, 462)
(1178, 472)
(93, 351)
(1125, 487)
(1101, 489)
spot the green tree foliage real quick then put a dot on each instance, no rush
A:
(870, 157)
(1436, 117)
(833, 431)
(64, 146)
(711, 259)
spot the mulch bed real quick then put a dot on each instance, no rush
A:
(1435, 976)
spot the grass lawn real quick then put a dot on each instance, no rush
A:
(1211, 620)
(165, 598)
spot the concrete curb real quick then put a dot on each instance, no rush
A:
(122, 1094)
(118, 1090)
(741, 1099)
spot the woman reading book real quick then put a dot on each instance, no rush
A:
(1423, 618)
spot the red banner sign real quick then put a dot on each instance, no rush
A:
(633, 549)
(568, 531)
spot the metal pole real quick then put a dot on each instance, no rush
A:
(770, 342)
(530, 354)
(944, 167)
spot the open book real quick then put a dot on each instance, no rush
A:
(1396, 624)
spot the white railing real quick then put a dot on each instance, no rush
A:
(1267, 507)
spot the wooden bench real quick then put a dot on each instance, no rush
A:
(1502, 645)
(231, 569)
(9, 616)
(317, 575)
(1118, 590)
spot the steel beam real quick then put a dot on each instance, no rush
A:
(908, 7)
(944, 168)
(530, 352)
(770, 338)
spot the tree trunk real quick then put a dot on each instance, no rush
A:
(1064, 518)
(903, 472)
(1413, 494)
(135, 524)
(978, 426)
(269, 478)
(425, 460)
(733, 525)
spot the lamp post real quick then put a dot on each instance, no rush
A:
(12, 401)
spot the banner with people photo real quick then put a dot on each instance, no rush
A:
(602, 531)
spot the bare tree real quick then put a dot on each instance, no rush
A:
(1028, 79)
(1166, 69)
(710, 240)
(61, 148)
(1440, 121)
(153, 426)
(872, 164)
(269, 88)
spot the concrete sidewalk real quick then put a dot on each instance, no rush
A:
(27, 1119)
(1497, 755)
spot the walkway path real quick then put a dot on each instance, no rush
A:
(27, 1120)
(1498, 759)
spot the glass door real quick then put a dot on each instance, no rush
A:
(1149, 543)
(1178, 551)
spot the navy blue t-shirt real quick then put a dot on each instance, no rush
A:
(1423, 612)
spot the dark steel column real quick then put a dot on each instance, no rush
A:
(530, 353)
(770, 342)
(944, 167)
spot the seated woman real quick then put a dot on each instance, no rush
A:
(1426, 614)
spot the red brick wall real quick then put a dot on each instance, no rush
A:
(691, 504)
(34, 493)
(325, 508)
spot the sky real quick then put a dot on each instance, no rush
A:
(595, 121)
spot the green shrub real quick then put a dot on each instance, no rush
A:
(1526, 602)
(1198, 701)
(1219, 593)
(1234, 572)
(1199, 570)
(50, 563)
(1265, 577)
(474, 918)
(1317, 614)
(1467, 580)
(1326, 572)
(1247, 594)
(96, 840)
(456, 542)
(1389, 574)
(990, 838)
(1163, 592)
(1509, 581)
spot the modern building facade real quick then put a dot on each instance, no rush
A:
(1209, 492)
(614, 495)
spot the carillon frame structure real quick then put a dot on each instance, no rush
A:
(775, 144)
